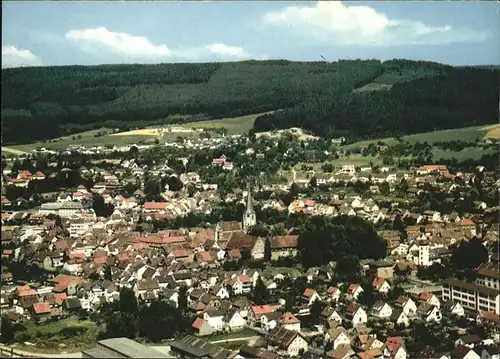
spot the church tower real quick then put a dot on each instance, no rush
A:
(249, 218)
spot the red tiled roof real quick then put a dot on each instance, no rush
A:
(284, 242)
(41, 308)
(309, 292)
(332, 290)
(198, 323)
(156, 205)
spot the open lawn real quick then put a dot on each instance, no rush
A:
(467, 134)
(68, 335)
(87, 139)
(473, 153)
(234, 125)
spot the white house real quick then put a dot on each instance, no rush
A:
(355, 315)
(337, 337)
(290, 322)
(381, 285)
(354, 290)
(429, 313)
(215, 319)
(406, 304)
(310, 296)
(334, 294)
(381, 310)
(233, 320)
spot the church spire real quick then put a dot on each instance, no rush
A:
(249, 207)
(249, 217)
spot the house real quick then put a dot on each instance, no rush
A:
(406, 304)
(270, 320)
(398, 317)
(454, 308)
(336, 337)
(310, 296)
(284, 246)
(214, 318)
(429, 298)
(219, 291)
(287, 341)
(354, 290)
(41, 311)
(381, 285)
(381, 310)
(394, 348)
(355, 315)
(289, 321)
(233, 319)
(256, 312)
(241, 284)
(463, 352)
(491, 352)
(469, 340)
(334, 294)
(72, 304)
(330, 315)
(429, 312)
(201, 327)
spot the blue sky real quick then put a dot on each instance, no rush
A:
(62, 33)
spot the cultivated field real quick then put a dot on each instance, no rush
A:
(493, 131)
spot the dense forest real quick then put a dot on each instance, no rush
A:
(40, 103)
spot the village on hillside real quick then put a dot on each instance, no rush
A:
(251, 247)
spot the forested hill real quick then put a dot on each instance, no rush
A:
(358, 98)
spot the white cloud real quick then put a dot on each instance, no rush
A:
(336, 23)
(102, 42)
(98, 40)
(226, 50)
(14, 57)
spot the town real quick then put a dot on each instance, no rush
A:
(256, 245)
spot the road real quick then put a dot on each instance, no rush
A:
(249, 339)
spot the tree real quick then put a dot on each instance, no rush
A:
(7, 330)
(182, 300)
(348, 268)
(313, 182)
(161, 320)
(260, 294)
(468, 255)
(315, 310)
(107, 273)
(128, 301)
(121, 324)
(267, 250)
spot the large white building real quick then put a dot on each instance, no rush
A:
(482, 295)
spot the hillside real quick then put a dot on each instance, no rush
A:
(355, 98)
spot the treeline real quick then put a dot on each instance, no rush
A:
(457, 98)
(40, 103)
(45, 102)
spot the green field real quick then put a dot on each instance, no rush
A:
(467, 134)
(234, 125)
(473, 153)
(67, 335)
